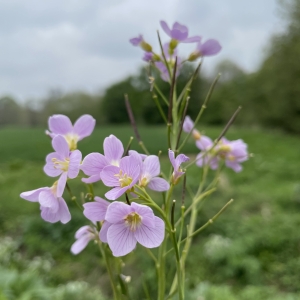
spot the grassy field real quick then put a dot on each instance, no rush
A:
(251, 252)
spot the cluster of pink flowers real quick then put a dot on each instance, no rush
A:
(179, 34)
(233, 153)
(122, 225)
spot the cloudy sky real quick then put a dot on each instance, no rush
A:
(83, 44)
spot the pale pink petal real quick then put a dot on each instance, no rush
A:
(181, 158)
(95, 211)
(113, 149)
(120, 239)
(236, 167)
(80, 244)
(192, 39)
(93, 164)
(145, 212)
(74, 165)
(172, 158)
(60, 124)
(151, 237)
(103, 231)
(60, 145)
(61, 184)
(188, 124)
(117, 211)
(158, 184)
(130, 165)
(108, 176)
(48, 215)
(64, 213)
(116, 192)
(92, 179)
(48, 199)
(165, 28)
(51, 171)
(81, 231)
(151, 166)
(84, 126)
(33, 195)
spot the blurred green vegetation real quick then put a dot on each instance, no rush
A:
(251, 252)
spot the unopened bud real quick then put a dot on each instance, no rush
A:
(173, 44)
(145, 46)
(193, 56)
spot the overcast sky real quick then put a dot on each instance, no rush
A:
(83, 44)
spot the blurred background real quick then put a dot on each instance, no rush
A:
(73, 57)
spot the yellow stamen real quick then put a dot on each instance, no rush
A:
(72, 140)
(124, 179)
(133, 220)
(63, 165)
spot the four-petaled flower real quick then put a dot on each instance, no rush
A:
(139, 41)
(131, 224)
(93, 163)
(61, 125)
(176, 163)
(53, 207)
(121, 178)
(62, 162)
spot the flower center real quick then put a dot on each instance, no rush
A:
(223, 150)
(133, 220)
(144, 181)
(196, 134)
(124, 179)
(72, 140)
(63, 165)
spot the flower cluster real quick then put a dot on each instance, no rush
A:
(121, 224)
(233, 153)
(166, 60)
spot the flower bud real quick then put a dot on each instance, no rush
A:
(193, 56)
(173, 44)
(145, 46)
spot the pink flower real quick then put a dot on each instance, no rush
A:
(61, 125)
(53, 207)
(94, 163)
(62, 162)
(176, 163)
(121, 178)
(131, 224)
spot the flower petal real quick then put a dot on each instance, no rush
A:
(60, 145)
(74, 165)
(60, 124)
(117, 211)
(131, 165)
(158, 184)
(172, 158)
(93, 164)
(84, 126)
(210, 47)
(64, 213)
(188, 124)
(151, 166)
(33, 195)
(151, 237)
(95, 211)
(181, 158)
(145, 212)
(61, 184)
(116, 192)
(92, 179)
(120, 239)
(192, 39)
(108, 176)
(113, 149)
(165, 28)
(103, 231)
(82, 231)
(51, 171)
(48, 199)
(80, 244)
(48, 215)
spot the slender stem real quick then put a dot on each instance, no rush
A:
(128, 146)
(161, 94)
(204, 105)
(160, 108)
(172, 92)
(163, 54)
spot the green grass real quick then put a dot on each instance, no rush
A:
(254, 243)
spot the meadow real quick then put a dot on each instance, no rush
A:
(251, 252)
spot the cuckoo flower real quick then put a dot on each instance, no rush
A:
(121, 178)
(96, 211)
(149, 175)
(61, 125)
(234, 153)
(178, 33)
(94, 163)
(131, 224)
(83, 236)
(62, 162)
(209, 48)
(176, 163)
(53, 208)
(164, 73)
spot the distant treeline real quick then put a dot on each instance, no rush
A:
(270, 97)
